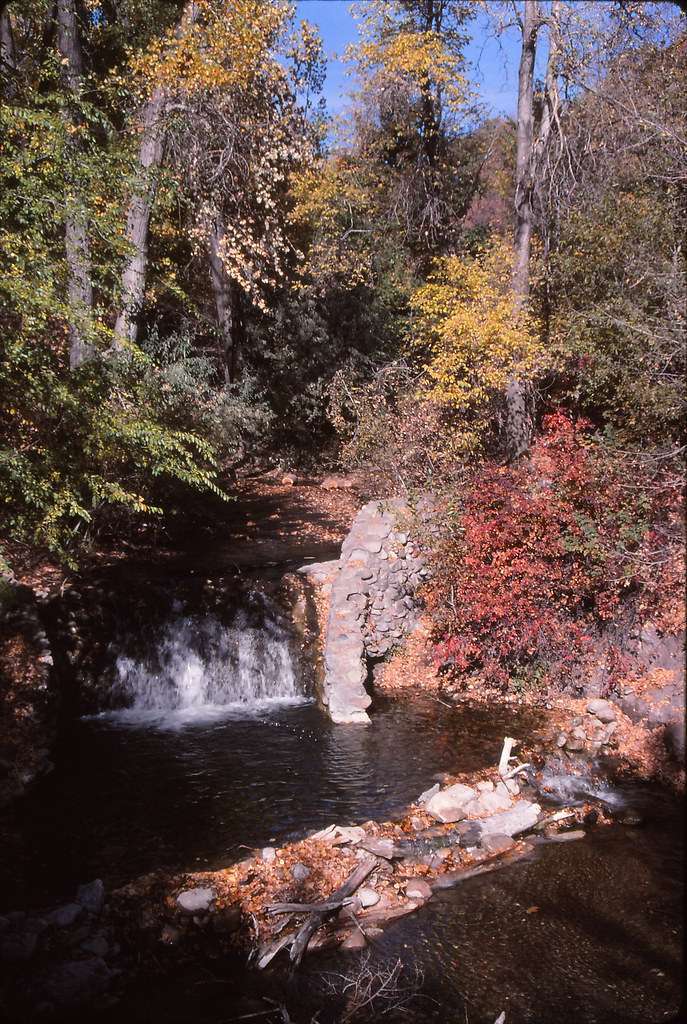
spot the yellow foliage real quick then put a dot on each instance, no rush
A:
(335, 205)
(223, 48)
(395, 52)
(477, 340)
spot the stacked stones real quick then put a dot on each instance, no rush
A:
(373, 604)
(54, 966)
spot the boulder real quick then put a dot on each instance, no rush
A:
(602, 709)
(367, 897)
(62, 917)
(448, 805)
(490, 803)
(518, 818)
(91, 896)
(429, 793)
(380, 847)
(79, 982)
(194, 901)
(496, 842)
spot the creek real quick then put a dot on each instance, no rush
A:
(210, 743)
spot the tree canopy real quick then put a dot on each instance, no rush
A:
(196, 266)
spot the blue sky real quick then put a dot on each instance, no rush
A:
(496, 66)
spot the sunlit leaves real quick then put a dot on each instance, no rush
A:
(466, 322)
(415, 49)
(218, 45)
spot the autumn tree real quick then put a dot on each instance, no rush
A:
(80, 438)
(617, 268)
(233, 147)
(475, 341)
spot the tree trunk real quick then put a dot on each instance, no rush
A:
(150, 155)
(8, 58)
(138, 221)
(80, 288)
(519, 422)
(227, 303)
(524, 181)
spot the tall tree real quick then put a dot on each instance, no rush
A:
(150, 153)
(80, 287)
(531, 146)
(413, 102)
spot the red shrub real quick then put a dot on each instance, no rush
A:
(536, 558)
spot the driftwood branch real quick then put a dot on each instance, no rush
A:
(318, 916)
(304, 908)
(317, 913)
(508, 744)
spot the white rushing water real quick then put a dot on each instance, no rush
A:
(198, 668)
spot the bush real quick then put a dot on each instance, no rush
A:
(537, 557)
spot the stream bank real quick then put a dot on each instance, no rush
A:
(103, 954)
(86, 955)
(52, 625)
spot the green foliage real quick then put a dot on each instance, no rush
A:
(78, 444)
(73, 444)
(183, 383)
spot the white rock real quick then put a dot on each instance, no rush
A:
(518, 818)
(348, 834)
(418, 889)
(367, 897)
(496, 801)
(448, 804)
(429, 793)
(194, 900)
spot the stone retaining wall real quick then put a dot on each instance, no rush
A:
(373, 603)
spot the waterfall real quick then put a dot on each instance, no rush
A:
(197, 664)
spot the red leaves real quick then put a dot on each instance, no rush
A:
(533, 570)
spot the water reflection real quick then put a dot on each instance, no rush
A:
(199, 795)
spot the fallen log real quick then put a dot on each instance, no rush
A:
(318, 914)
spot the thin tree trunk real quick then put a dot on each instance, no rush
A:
(138, 221)
(150, 156)
(8, 58)
(227, 302)
(518, 421)
(80, 288)
(524, 180)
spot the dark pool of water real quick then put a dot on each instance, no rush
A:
(588, 932)
(124, 799)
